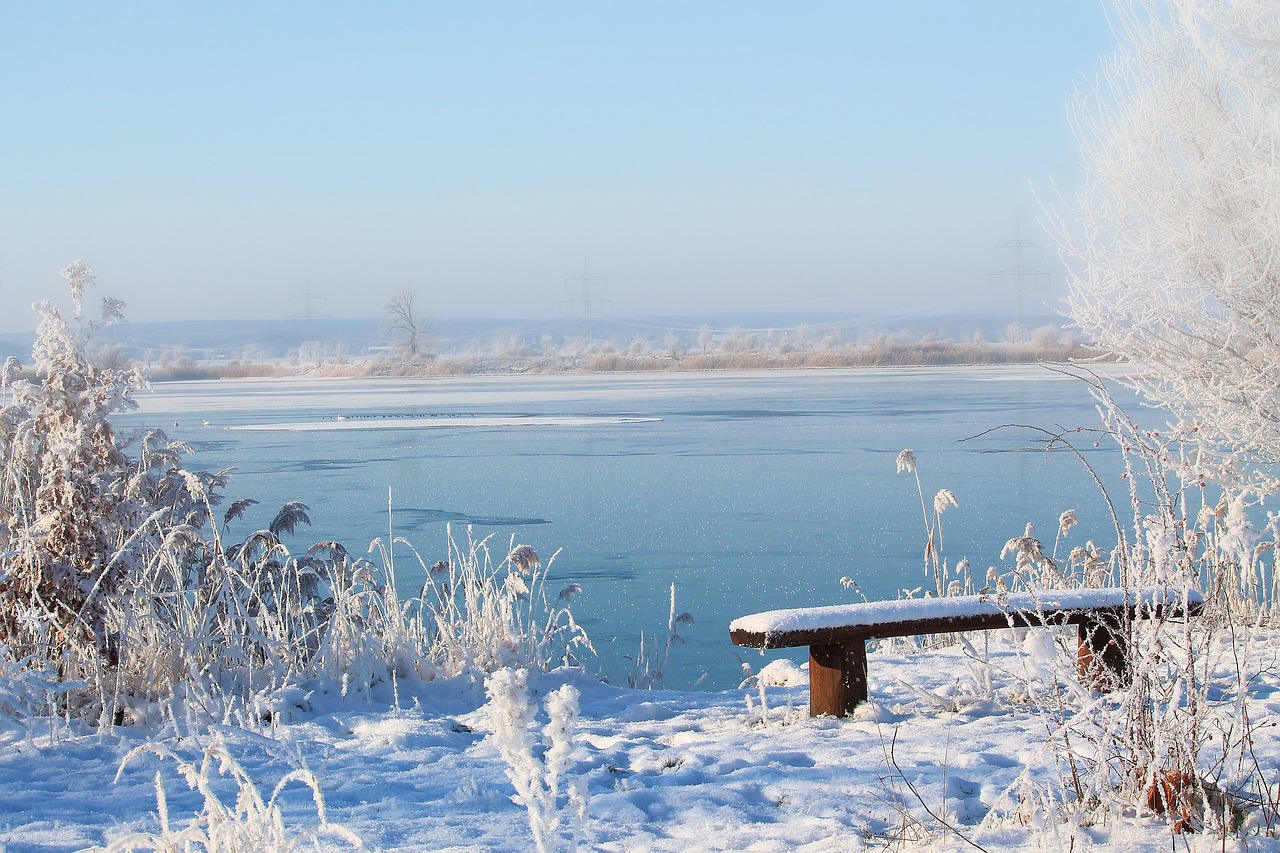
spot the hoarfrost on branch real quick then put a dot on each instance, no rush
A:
(1174, 261)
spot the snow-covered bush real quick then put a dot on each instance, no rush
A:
(1174, 271)
(73, 520)
(112, 567)
(248, 822)
(537, 774)
(475, 616)
(1177, 737)
(119, 585)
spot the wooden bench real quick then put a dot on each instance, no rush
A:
(836, 636)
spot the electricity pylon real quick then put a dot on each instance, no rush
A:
(587, 299)
(307, 315)
(1019, 274)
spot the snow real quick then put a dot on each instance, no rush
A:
(955, 607)
(663, 770)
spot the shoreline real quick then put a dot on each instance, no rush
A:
(1040, 368)
(337, 394)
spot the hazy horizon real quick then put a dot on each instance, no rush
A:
(223, 162)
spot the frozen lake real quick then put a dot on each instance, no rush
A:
(749, 491)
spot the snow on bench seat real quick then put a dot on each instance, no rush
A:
(837, 635)
(776, 629)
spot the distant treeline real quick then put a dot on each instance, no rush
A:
(605, 359)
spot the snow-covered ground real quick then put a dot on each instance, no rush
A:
(664, 770)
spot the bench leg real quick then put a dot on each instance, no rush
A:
(837, 678)
(1102, 660)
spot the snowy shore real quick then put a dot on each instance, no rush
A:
(664, 770)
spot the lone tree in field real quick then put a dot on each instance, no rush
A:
(402, 321)
(1176, 265)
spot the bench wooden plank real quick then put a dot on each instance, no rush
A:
(837, 636)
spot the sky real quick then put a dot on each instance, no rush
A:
(214, 161)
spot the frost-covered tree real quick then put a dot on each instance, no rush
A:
(87, 515)
(1176, 260)
(403, 321)
(78, 514)
(64, 509)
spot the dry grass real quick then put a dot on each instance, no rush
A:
(885, 353)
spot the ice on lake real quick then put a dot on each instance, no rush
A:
(748, 491)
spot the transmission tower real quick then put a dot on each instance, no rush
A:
(1018, 275)
(587, 299)
(306, 315)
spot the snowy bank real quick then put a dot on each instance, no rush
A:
(663, 770)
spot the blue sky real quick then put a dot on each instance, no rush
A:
(215, 160)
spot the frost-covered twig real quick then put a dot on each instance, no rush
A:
(250, 823)
(537, 779)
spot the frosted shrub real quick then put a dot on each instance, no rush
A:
(248, 823)
(112, 569)
(26, 686)
(1177, 739)
(121, 590)
(266, 619)
(537, 778)
(66, 514)
(1175, 274)
(476, 616)
(253, 623)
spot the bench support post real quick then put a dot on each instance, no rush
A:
(837, 677)
(1102, 659)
